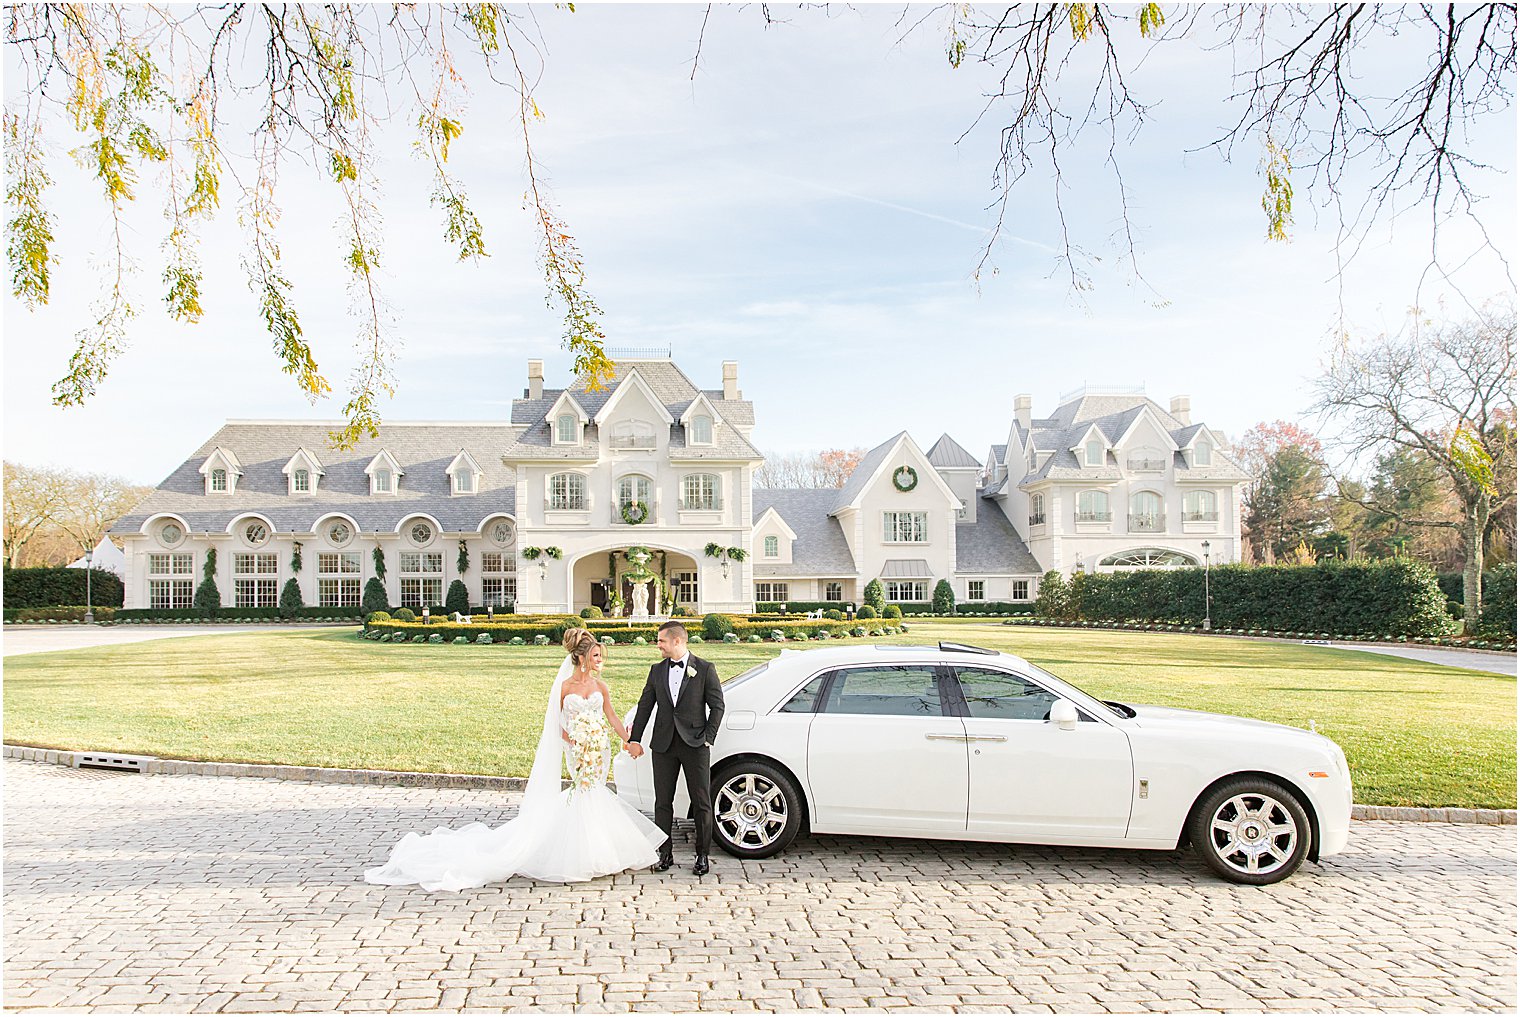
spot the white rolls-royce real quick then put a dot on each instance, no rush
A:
(962, 743)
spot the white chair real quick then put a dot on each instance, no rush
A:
(815, 615)
(462, 619)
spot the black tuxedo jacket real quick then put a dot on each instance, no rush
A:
(695, 715)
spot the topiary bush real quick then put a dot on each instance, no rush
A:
(290, 599)
(891, 611)
(717, 626)
(374, 598)
(375, 616)
(866, 611)
(833, 615)
(457, 599)
(591, 612)
(404, 614)
(874, 596)
(943, 599)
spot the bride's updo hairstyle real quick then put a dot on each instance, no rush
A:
(578, 643)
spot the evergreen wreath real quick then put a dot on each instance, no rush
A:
(911, 482)
(635, 512)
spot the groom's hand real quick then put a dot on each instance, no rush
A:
(634, 749)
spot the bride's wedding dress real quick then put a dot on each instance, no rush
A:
(566, 836)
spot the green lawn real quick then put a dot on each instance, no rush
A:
(1415, 734)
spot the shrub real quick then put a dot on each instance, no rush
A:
(61, 586)
(866, 611)
(516, 641)
(608, 641)
(404, 614)
(457, 599)
(591, 612)
(891, 611)
(944, 598)
(62, 614)
(541, 640)
(777, 636)
(858, 631)
(716, 626)
(874, 596)
(640, 641)
(695, 637)
(207, 597)
(374, 596)
(461, 639)
(1499, 601)
(375, 616)
(729, 637)
(290, 599)
(484, 639)
(1054, 600)
(833, 615)
(419, 638)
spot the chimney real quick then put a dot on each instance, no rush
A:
(535, 379)
(1022, 404)
(1182, 409)
(731, 380)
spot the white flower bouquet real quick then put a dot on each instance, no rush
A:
(589, 731)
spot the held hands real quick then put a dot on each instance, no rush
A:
(634, 749)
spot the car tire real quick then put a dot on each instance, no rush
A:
(757, 809)
(1251, 830)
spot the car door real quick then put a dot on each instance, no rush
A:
(1032, 781)
(886, 755)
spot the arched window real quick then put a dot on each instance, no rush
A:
(633, 434)
(701, 430)
(1145, 511)
(382, 481)
(1200, 507)
(1203, 453)
(219, 479)
(701, 491)
(565, 430)
(1095, 453)
(1149, 557)
(633, 488)
(772, 547)
(567, 491)
(302, 481)
(1036, 510)
(1092, 507)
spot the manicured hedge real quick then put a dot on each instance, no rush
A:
(60, 586)
(1499, 600)
(71, 613)
(501, 632)
(1390, 597)
(234, 614)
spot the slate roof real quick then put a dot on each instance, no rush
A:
(670, 385)
(947, 454)
(862, 473)
(423, 451)
(1000, 454)
(991, 546)
(820, 547)
(1112, 416)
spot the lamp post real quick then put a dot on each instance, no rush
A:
(1205, 586)
(424, 614)
(89, 566)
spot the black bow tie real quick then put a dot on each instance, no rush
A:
(675, 663)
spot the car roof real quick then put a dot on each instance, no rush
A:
(857, 654)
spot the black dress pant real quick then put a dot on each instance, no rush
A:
(694, 761)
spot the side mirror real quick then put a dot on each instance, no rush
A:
(1064, 715)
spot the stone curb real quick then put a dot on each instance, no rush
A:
(401, 778)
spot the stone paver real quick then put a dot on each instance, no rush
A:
(189, 893)
(19, 639)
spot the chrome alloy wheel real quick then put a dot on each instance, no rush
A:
(750, 810)
(1253, 834)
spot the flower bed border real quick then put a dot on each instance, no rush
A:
(1488, 645)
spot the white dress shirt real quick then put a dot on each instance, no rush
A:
(677, 673)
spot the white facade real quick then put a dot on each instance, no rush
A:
(543, 506)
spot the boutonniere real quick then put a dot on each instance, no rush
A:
(691, 672)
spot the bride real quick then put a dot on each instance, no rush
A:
(559, 836)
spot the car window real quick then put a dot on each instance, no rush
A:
(806, 699)
(894, 690)
(739, 679)
(999, 695)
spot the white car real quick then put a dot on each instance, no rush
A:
(961, 743)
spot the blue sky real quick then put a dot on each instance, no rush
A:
(808, 206)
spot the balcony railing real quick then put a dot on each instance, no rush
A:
(1037, 519)
(1146, 524)
(644, 442)
(1095, 517)
(1200, 517)
(1145, 465)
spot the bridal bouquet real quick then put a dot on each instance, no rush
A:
(589, 729)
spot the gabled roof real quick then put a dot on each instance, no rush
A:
(566, 401)
(311, 460)
(771, 513)
(1000, 455)
(384, 458)
(948, 455)
(700, 401)
(228, 458)
(871, 464)
(633, 381)
(464, 459)
(820, 547)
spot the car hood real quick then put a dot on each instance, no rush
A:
(1219, 723)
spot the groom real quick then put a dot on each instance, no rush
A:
(690, 699)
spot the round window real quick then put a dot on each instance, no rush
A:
(171, 534)
(502, 532)
(339, 533)
(256, 533)
(421, 533)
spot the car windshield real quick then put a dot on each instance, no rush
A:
(1117, 709)
(740, 679)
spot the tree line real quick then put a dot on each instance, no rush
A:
(53, 515)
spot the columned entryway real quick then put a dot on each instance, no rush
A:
(599, 579)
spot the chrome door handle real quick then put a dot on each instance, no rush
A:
(987, 738)
(934, 736)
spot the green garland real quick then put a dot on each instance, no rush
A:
(379, 559)
(463, 562)
(912, 479)
(295, 557)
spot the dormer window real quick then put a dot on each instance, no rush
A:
(382, 481)
(301, 481)
(464, 473)
(1095, 453)
(701, 430)
(303, 472)
(1203, 453)
(221, 470)
(565, 431)
(384, 473)
(464, 483)
(773, 547)
(218, 479)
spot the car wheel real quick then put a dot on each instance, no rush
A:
(1251, 831)
(757, 809)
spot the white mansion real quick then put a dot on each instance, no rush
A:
(536, 512)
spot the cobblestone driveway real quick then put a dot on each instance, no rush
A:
(203, 894)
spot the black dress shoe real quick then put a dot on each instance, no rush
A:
(665, 862)
(700, 869)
